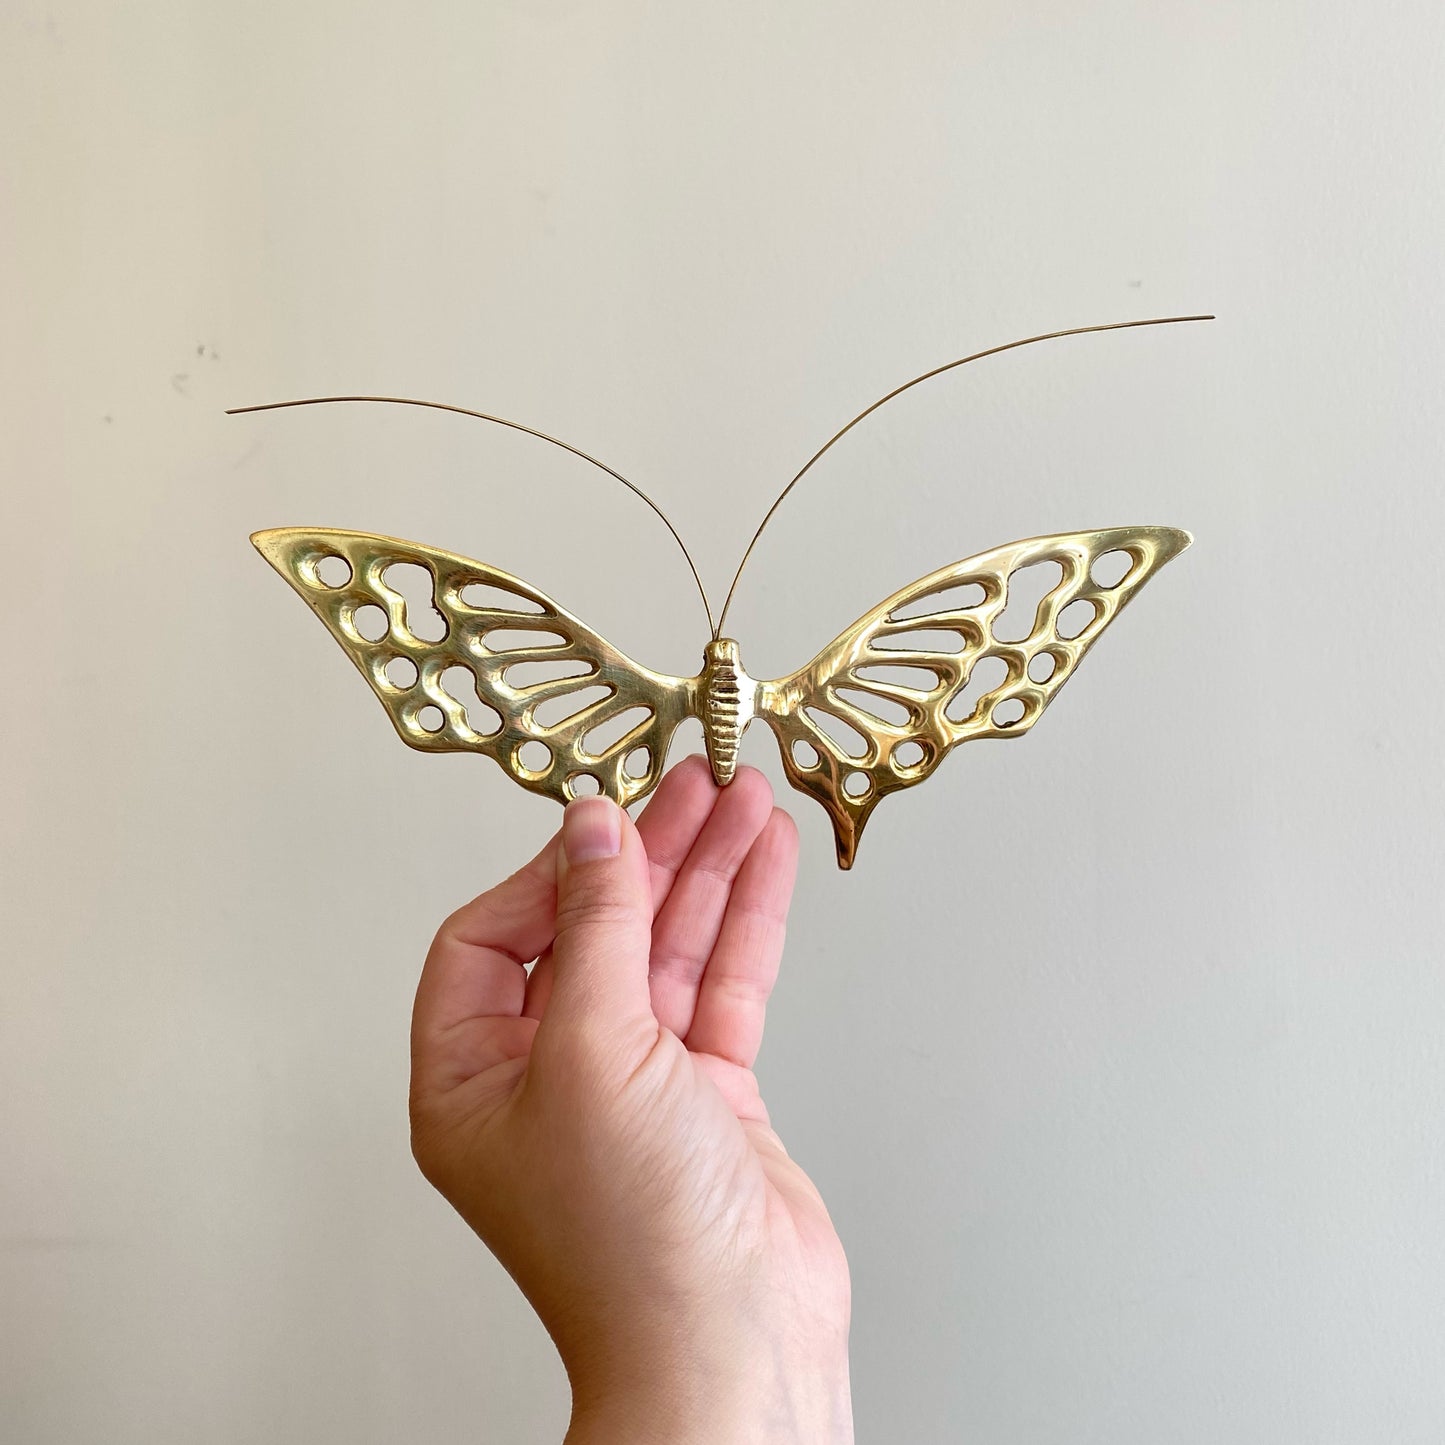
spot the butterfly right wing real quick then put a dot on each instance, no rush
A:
(610, 720)
(898, 680)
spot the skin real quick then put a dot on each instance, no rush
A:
(597, 1122)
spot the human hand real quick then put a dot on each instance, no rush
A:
(598, 1123)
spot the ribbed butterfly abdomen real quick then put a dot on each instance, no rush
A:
(729, 700)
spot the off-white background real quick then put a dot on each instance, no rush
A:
(1118, 1057)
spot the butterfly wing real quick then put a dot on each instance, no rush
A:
(492, 666)
(879, 707)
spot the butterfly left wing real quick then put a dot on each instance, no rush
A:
(851, 731)
(551, 701)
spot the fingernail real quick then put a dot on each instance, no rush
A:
(591, 828)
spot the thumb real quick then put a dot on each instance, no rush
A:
(603, 942)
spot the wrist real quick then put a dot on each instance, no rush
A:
(770, 1398)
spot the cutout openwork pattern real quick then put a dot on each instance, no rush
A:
(936, 672)
(874, 712)
(466, 658)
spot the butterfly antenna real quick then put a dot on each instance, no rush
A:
(898, 391)
(515, 426)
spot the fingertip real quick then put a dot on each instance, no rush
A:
(778, 846)
(693, 778)
(632, 839)
(753, 783)
(592, 828)
(529, 888)
(783, 823)
(677, 811)
(747, 802)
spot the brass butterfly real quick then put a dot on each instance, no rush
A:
(515, 676)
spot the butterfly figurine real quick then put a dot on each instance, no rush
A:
(495, 666)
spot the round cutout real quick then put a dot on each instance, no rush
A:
(1042, 666)
(333, 571)
(1008, 712)
(1111, 569)
(400, 672)
(370, 622)
(909, 755)
(1076, 618)
(534, 756)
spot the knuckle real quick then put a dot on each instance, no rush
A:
(466, 921)
(744, 990)
(582, 1063)
(679, 963)
(591, 908)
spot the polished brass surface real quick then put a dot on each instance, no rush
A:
(729, 702)
(515, 676)
(875, 677)
(507, 642)
(874, 712)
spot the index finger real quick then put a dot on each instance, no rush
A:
(476, 966)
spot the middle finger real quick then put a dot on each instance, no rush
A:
(688, 923)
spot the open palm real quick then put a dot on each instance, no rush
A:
(597, 1121)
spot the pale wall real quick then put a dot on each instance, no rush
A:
(1118, 1057)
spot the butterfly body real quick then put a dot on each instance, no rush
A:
(515, 676)
(729, 704)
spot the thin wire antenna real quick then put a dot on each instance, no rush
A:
(897, 391)
(515, 426)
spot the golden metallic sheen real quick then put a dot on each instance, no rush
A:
(490, 665)
(517, 677)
